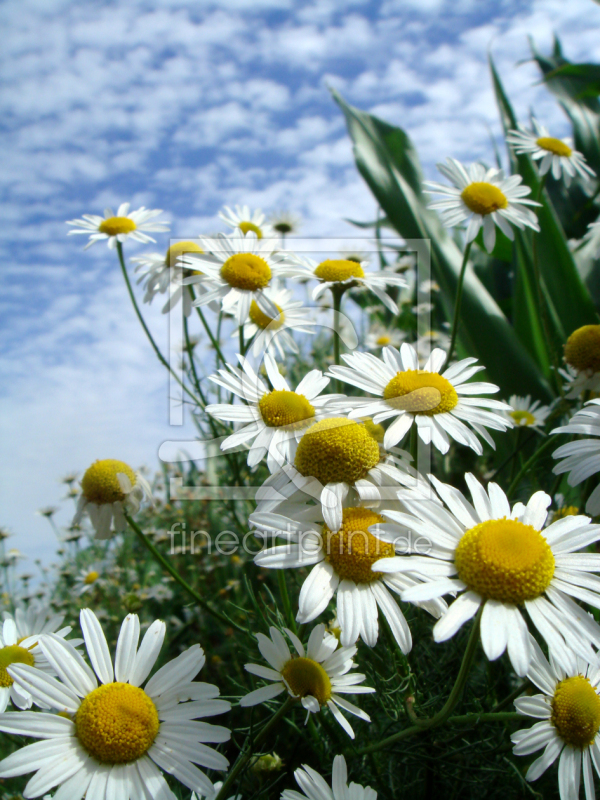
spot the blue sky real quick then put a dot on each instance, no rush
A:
(186, 107)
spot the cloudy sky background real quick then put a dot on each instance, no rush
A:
(186, 107)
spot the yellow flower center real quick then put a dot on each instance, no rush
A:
(100, 483)
(115, 225)
(421, 392)
(262, 320)
(180, 249)
(337, 270)
(336, 450)
(246, 271)
(565, 511)
(13, 654)
(383, 340)
(523, 418)
(555, 146)
(576, 711)
(483, 198)
(281, 407)
(117, 723)
(91, 577)
(352, 551)
(505, 560)
(582, 349)
(307, 677)
(377, 431)
(250, 226)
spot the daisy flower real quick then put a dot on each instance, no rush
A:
(346, 273)
(19, 644)
(338, 462)
(582, 356)
(438, 404)
(247, 221)
(113, 737)
(483, 197)
(569, 712)
(162, 273)
(342, 565)
(134, 225)
(557, 155)
(272, 420)
(382, 336)
(88, 578)
(285, 222)
(272, 333)
(581, 458)
(576, 383)
(527, 413)
(315, 788)
(316, 676)
(499, 558)
(108, 488)
(238, 270)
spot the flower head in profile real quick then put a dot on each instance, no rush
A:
(441, 405)
(111, 737)
(503, 561)
(527, 413)
(582, 357)
(555, 155)
(581, 457)
(314, 787)
(120, 226)
(163, 273)
(273, 334)
(316, 675)
(108, 488)
(485, 198)
(247, 221)
(568, 710)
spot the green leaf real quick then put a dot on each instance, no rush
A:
(388, 162)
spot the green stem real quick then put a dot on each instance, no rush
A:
(242, 343)
(550, 441)
(285, 600)
(457, 304)
(337, 292)
(518, 443)
(414, 444)
(244, 758)
(206, 326)
(190, 352)
(158, 556)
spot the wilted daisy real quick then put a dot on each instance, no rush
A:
(569, 714)
(382, 336)
(483, 197)
(113, 739)
(315, 788)
(499, 558)
(581, 458)
(88, 578)
(345, 273)
(273, 333)
(557, 155)
(273, 420)
(238, 268)
(438, 404)
(316, 676)
(108, 488)
(19, 644)
(342, 564)
(247, 221)
(527, 413)
(119, 227)
(161, 273)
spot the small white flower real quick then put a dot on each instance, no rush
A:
(483, 197)
(119, 227)
(162, 273)
(316, 676)
(247, 221)
(581, 458)
(381, 336)
(527, 413)
(557, 155)
(89, 578)
(273, 334)
(315, 788)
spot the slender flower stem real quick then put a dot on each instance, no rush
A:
(244, 758)
(206, 326)
(550, 441)
(158, 556)
(242, 342)
(285, 600)
(190, 352)
(457, 304)
(337, 292)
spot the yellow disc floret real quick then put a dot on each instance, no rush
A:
(307, 677)
(262, 320)
(582, 349)
(555, 146)
(483, 198)
(115, 225)
(522, 418)
(100, 483)
(338, 270)
(382, 341)
(246, 271)
(352, 551)
(505, 560)
(250, 226)
(13, 654)
(91, 577)
(421, 392)
(117, 723)
(565, 511)
(337, 450)
(576, 711)
(281, 407)
(180, 249)
(377, 431)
